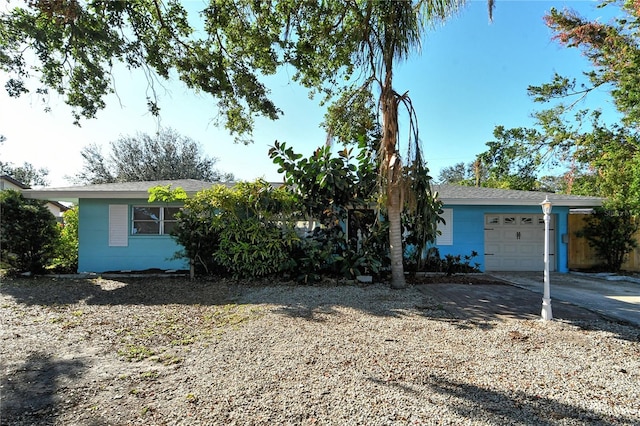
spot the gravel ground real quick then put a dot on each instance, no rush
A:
(174, 352)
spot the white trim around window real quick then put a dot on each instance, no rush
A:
(153, 220)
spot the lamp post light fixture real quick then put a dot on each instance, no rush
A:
(546, 298)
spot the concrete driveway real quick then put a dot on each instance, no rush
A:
(616, 299)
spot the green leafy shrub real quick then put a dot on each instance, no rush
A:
(328, 187)
(28, 233)
(198, 233)
(251, 248)
(66, 259)
(246, 231)
(610, 231)
(257, 233)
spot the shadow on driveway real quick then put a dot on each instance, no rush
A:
(481, 302)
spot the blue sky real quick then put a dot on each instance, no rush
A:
(469, 77)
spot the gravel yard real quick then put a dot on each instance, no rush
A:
(173, 352)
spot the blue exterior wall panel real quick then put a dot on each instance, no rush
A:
(143, 251)
(468, 231)
(155, 251)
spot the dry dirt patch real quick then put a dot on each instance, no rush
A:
(170, 351)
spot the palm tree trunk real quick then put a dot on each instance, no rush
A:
(394, 209)
(392, 170)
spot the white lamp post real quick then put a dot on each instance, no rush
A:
(546, 298)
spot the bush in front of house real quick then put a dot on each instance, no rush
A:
(28, 233)
(66, 254)
(246, 231)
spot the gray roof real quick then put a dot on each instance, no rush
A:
(448, 194)
(14, 182)
(117, 190)
(471, 195)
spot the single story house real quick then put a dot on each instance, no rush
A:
(120, 231)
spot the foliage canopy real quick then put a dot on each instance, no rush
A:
(28, 233)
(166, 156)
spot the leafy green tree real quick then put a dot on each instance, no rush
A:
(610, 231)
(70, 47)
(28, 233)
(26, 174)
(603, 156)
(458, 174)
(144, 158)
(600, 158)
(509, 162)
(326, 185)
(613, 50)
(336, 190)
(371, 38)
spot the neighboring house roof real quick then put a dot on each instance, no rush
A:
(54, 206)
(466, 195)
(117, 190)
(13, 183)
(60, 206)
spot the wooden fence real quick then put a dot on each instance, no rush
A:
(582, 256)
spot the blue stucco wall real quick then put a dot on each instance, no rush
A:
(468, 231)
(143, 251)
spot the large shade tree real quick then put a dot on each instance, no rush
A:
(600, 152)
(71, 47)
(143, 157)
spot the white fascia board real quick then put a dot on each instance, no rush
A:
(504, 202)
(74, 196)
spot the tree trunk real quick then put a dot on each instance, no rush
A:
(392, 167)
(394, 209)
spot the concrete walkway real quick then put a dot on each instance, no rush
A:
(616, 299)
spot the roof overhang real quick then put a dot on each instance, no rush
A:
(74, 196)
(571, 203)
(457, 195)
(121, 190)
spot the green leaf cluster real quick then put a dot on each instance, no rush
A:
(246, 231)
(166, 195)
(327, 185)
(610, 231)
(165, 155)
(28, 233)
(66, 259)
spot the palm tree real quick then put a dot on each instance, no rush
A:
(391, 31)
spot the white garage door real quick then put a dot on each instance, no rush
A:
(515, 242)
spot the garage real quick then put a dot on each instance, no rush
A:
(515, 242)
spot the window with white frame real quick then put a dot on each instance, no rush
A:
(153, 220)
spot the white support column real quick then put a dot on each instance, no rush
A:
(546, 297)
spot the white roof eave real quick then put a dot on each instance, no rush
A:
(511, 202)
(74, 196)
